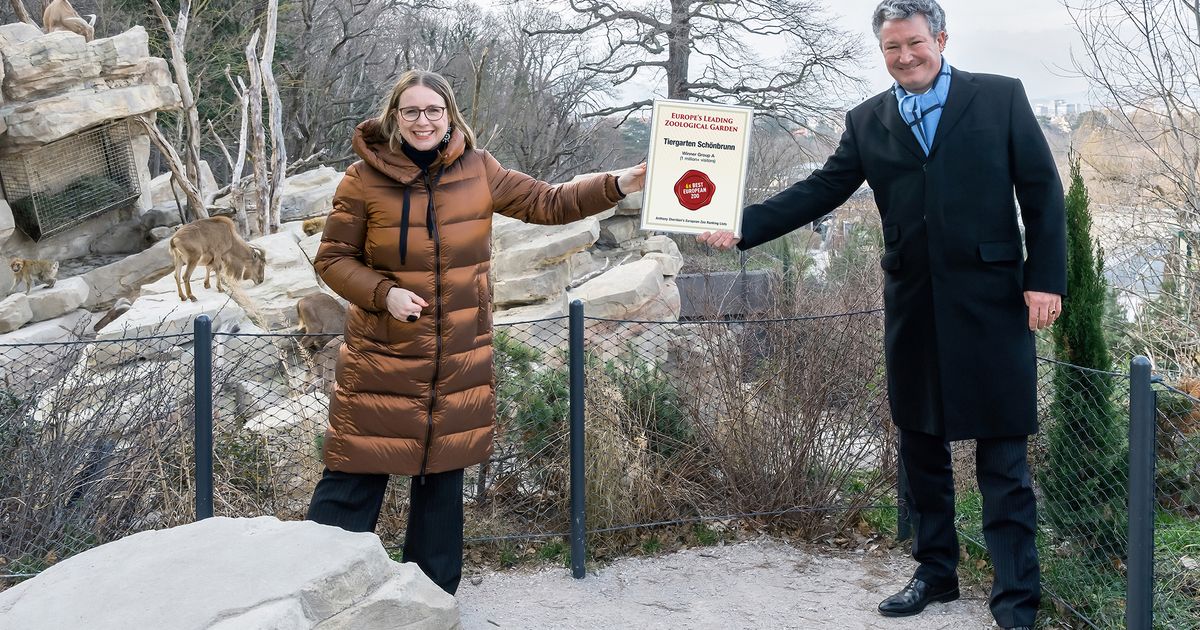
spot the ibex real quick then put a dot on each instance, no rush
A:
(319, 314)
(215, 243)
(61, 16)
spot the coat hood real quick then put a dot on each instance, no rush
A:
(373, 148)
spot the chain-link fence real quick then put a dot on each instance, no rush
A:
(782, 420)
(713, 420)
(1079, 467)
(1177, 491)
(95, 444)
(271, 401)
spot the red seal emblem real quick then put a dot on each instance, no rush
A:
(694, 190)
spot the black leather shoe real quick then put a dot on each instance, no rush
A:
(914, 597)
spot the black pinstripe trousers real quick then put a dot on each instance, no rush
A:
(434, 537)
(1009, 519)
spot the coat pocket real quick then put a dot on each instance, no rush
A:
(1000, 251)
(891, 234)
(890, 261)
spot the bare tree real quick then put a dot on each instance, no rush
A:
(706, 51)
(1142, 58)
(195, 204)
(177, 38)
(346, 52)
(258, 140)
(529, 94)
(275, 117)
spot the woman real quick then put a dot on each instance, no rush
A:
(409, 245)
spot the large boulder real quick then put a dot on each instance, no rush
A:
(631, 291)
(125, 276)
(309, 194)
(618, 230)
(226, 574)
(122, 51)
(14, 312)
(520, 248)
(69, 327)
(7, 224)
(126, 237)
(7, 279)
(52, 118)
(15, 33)
(62, 298)
(47, 65)
(631, 205)
(537, 286)
(158, 313)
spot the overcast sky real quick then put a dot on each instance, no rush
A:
(1027, 39)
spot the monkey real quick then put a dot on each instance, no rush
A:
(29, 271)
(313, 225)
(61, 16)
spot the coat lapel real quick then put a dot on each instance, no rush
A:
(962, 90)
(888, 112)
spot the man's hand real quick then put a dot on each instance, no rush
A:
(632, 179)
(1044, 308)
(404, 305)
(721, 240)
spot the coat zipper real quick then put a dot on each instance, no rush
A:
(431, 219)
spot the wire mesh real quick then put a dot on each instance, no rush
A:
(271, 407)
(91, 449)
(61, 184)
(786, 418)
(782, 420)
(1177, 523)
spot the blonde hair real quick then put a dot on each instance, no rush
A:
(389, 128)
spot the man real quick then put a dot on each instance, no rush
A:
(943, 151)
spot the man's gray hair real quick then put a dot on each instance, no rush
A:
(904, 9)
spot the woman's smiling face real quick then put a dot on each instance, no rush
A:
(428, 108)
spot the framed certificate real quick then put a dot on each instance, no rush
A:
(696, 169)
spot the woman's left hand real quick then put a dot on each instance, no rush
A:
(632, 179)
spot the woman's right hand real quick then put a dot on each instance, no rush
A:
(404, 305)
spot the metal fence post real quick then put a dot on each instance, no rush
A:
(202, 352)
(578, 514)
(1139, 596)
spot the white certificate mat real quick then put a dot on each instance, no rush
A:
(696, 169)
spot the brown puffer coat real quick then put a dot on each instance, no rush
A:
(420, 397)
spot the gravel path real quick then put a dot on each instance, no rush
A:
(757, 584)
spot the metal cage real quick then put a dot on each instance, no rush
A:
(59, 185)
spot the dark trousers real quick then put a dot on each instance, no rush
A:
(1009, 519)
(434, 538)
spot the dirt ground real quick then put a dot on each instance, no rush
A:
(763, 583)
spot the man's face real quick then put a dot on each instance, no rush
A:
(912, 53)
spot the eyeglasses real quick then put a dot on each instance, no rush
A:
(411, 114)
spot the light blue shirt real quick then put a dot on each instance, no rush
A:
(923, 111)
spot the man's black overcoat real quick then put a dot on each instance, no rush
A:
(960, 355)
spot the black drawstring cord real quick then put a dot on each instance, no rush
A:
(404, 227)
